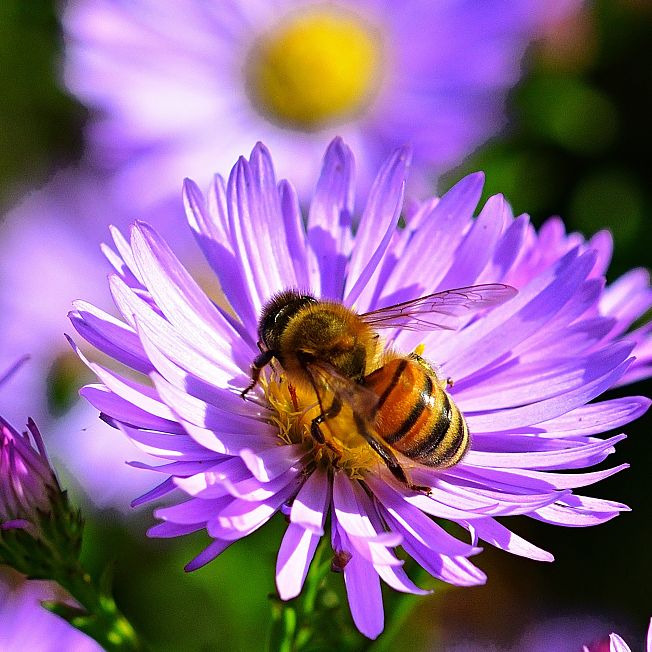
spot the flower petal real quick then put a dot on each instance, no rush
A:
(329, 222)
(377, 224)
(294, 556)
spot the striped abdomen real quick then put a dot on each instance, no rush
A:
(415, 415)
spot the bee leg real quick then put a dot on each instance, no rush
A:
(257, 366)
(388, 457)
(332, 412)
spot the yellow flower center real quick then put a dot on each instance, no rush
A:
(293, 412)
(315, 69)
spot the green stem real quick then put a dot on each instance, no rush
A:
(101, 619)
(401, 611)
(315, 577)
(386, 640)
(292, 628)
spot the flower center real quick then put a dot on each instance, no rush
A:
(293, 412)
(315, 69)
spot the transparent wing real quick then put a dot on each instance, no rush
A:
(441, 310)
(361, 399)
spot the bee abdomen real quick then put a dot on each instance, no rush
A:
(416, 416)
(443, 444)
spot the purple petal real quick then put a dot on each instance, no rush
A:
(197, 375)
(478, 245)
(171, 530)
(427, 259)
(257, 230)
(176, 293)
(139, 395)
(597, 417)
(518, 480)
(175, 343)
(377, 224)
(498, 535)
(192, 511)
(363, 591)
(352, 509)
(295, 233)
(209, 224)
(166, 445)
(585, 454)
(583, 512)
(218, 430)
(109, 335)
(628, 298)
(126, 254)
(294, 556)
(410, 521)
(507, 250)
(310, 506)
(112, 405)
(265, 465)
(616, 644)
(454, 570)
(209, 553)
(329, 222)
(255, 491)
(242, 517)
(557, 405)
(504, 327)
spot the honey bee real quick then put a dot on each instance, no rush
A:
(398, 402)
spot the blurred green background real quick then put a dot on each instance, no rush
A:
(577, 145)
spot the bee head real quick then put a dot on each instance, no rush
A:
(277, 314)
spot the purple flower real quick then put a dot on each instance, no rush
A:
(26, 625)
(185, 88)
(525, 373)
(27, 482)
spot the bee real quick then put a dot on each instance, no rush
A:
(398, 402)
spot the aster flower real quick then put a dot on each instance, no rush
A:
(27, 480)
(28, 486)
(25, 625)
(37, 525)
(177, 85)
(524, 374)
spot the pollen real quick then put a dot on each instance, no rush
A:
(314, 69)
(420, 349)
(293, 412)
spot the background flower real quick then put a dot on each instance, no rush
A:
(183, 89)
(523, 374)
(26, 625)
(27, 483)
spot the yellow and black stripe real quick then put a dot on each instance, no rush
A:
(415, 415)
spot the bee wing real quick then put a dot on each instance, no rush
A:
(441, 310)
(364, 405)
(361, 399)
